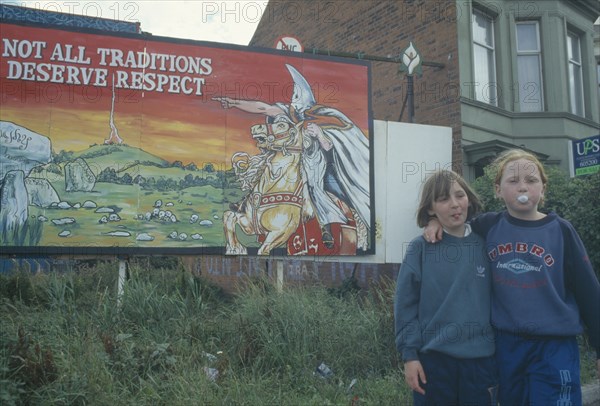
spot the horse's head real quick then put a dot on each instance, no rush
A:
(280, 136)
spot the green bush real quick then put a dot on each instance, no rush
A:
(584, 213)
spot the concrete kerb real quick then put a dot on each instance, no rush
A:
(591, 394)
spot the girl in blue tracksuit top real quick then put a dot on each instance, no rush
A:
(544, 289)
(442, 303)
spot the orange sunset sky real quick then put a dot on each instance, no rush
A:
(188, 128)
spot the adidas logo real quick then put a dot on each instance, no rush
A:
(481, 271)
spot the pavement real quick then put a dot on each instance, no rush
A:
(591, 394)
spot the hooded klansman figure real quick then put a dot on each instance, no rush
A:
(335, 157)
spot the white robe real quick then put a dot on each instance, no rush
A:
(351, 156)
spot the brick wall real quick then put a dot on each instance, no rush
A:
(230, 273)
(382, 28)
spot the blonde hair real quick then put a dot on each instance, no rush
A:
(438, 186)
(515, 154)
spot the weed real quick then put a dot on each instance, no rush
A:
(18, 286)
(30, 363)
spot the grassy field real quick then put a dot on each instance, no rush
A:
(173, 338)
(191, 210)
(128, 205)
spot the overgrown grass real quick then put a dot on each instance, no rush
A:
(65, 340)
(175, 339)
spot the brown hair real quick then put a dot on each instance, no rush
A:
(438, 186)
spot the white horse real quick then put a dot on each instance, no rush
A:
(273, 208)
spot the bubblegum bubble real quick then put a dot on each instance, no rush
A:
(523, 199)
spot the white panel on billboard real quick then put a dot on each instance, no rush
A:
(413, 152)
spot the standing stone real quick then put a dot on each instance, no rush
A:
(41, 192)
(13, 204)
(79, 177)
(22, 149)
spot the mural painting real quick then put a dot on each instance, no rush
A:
(138, 144)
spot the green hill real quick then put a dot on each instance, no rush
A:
(112, 162)
(107, 155)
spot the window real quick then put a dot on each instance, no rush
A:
(575, 74)
(529, 67)
(484, 58)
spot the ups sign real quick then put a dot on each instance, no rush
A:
(585, 156)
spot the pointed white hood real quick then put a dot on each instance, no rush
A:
(302, 98)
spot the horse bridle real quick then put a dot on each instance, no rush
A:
(272, 137)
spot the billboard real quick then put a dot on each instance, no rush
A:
(128, 143)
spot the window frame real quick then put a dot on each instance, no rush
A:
(577, 64)
(537, 52)
(491, 97)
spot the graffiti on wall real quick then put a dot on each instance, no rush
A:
(138, 144)
(232, 272)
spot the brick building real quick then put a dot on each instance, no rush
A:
(515, 73)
